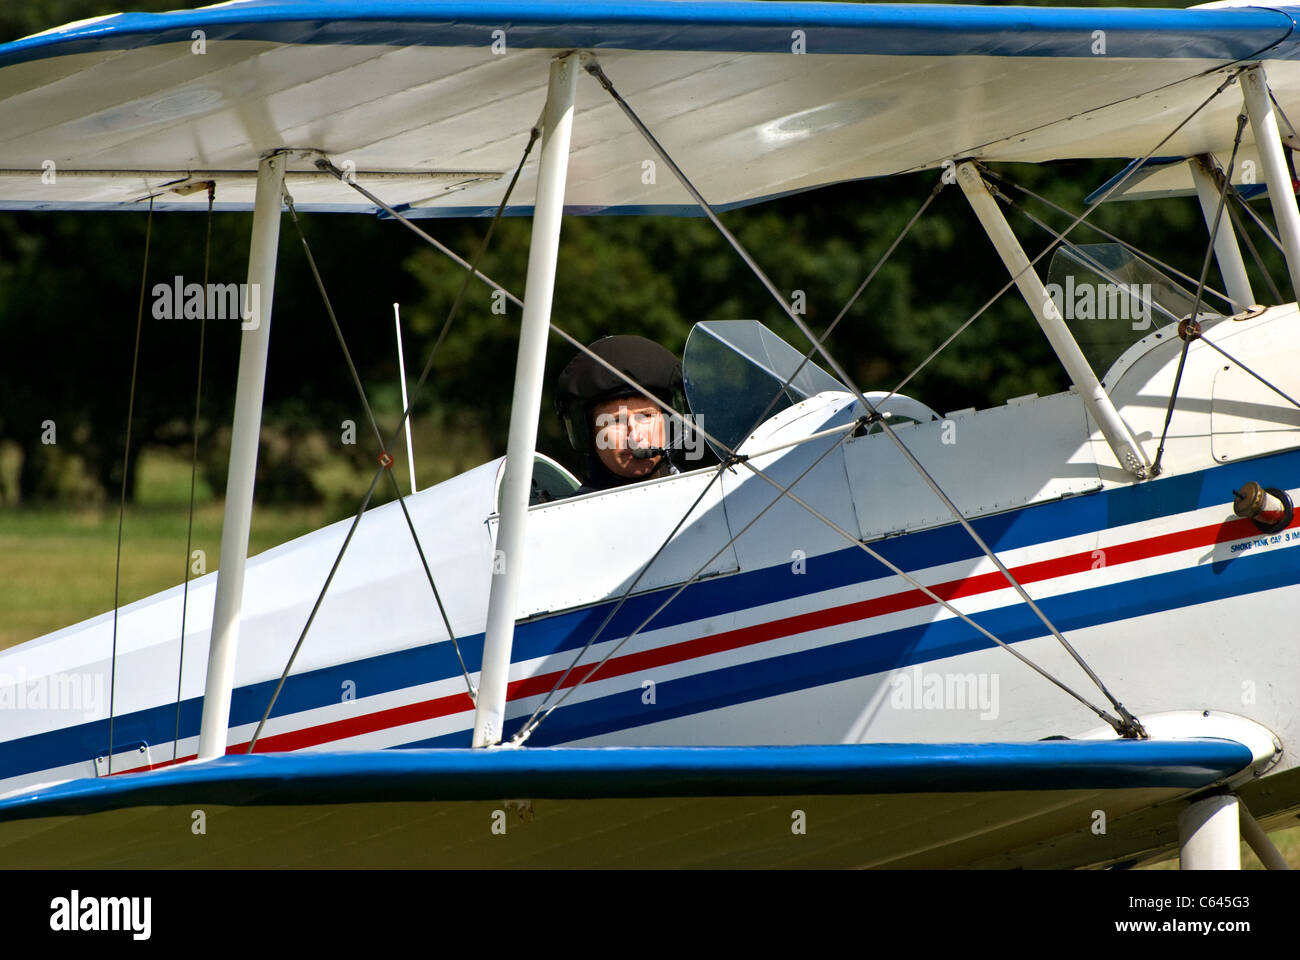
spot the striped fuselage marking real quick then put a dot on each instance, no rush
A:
(764, 676)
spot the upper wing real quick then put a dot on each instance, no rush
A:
(754, 100)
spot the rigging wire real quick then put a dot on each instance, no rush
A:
(744, 461)
(884, 257)
(470, 267)
(1285, 119)
(529, 725)
(1084, 256)
(385, 458)
(1240, 227)
(1132, 727)
(526, 731)
(194, 467)
(472, 271)
(894, 568)
(1116, 724)
(1259, 221)
(1131, 248)
(1078, 219)
(1190, 328)
(1227, 356)
(284, 675)
(1101, 269)
(1129, 722)
(126, 462)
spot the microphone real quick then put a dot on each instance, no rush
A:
(645, 453)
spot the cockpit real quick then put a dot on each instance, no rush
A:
(738, 375)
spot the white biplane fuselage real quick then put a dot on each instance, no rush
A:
(789, 635)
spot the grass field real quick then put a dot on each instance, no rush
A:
(57, 565)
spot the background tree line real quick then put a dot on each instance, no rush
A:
(70, 287)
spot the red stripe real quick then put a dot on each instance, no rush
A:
(893, 603)
(350, 727)
(1210, 534)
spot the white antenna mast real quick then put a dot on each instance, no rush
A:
(401, 366)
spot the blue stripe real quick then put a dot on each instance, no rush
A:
(896, 649)
(720, 596)
(455, 775)
(838, 28)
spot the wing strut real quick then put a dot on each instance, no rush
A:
(1209, 834)
(1093, 394)
(525, 407)
(254, 343)
(1281, 191)
(1206, 174)
(1269, 855)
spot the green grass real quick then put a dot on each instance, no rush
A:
(57, 565)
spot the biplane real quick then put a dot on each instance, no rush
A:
(1057, 632)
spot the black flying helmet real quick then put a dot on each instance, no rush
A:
(584, 382)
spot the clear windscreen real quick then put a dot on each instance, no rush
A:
(733, 369)
(1110, 299)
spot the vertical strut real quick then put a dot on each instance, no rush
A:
(1209, 834)
(1281, 194)
(526, 405)
(1269, 855)
(1226, 252)
(253, 345)
(1093, 394)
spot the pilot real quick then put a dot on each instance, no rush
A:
(621, 431)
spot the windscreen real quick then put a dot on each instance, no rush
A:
(734, 368)
(1110, 299)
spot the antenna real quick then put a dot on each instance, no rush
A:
(401, 367)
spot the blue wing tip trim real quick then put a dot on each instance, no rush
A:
(307, 778)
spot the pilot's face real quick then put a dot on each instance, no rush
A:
(622, 425)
